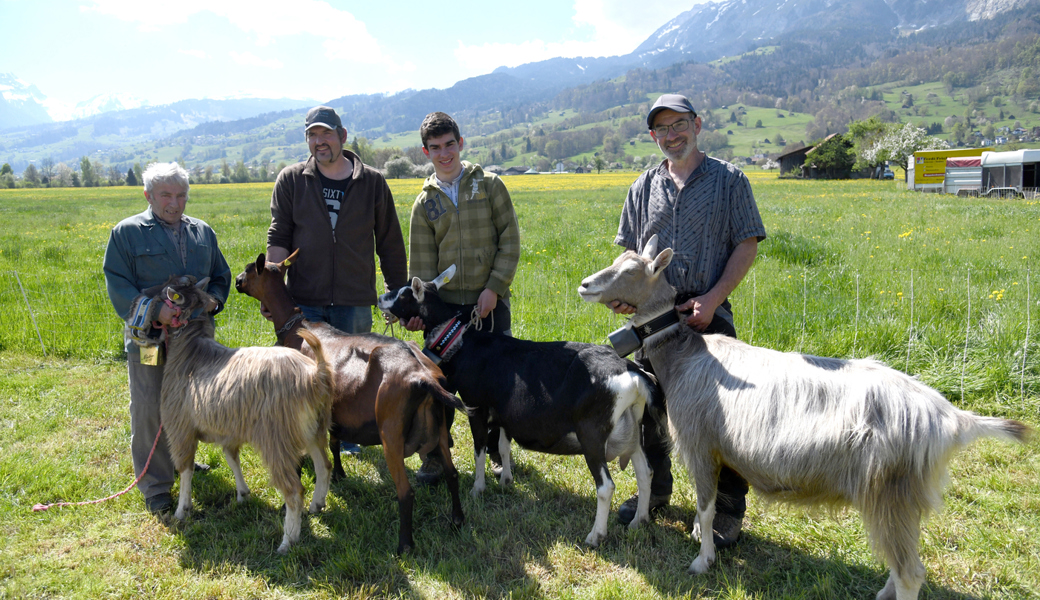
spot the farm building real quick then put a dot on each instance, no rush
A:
(1017, 171)
(793, 159)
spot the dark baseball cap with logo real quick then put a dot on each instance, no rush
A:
(675, 102)
(322, 116)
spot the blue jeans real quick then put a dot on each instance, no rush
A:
(348, 319)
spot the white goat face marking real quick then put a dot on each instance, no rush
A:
(417, 289)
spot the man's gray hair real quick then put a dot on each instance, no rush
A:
(160, 173)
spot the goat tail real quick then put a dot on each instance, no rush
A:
(650, 387)
(324, 374)
(975, 426)
(439, 394)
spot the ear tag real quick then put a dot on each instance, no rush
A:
(286, 262)
(447, 279)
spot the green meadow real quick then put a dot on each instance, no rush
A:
(941, 287)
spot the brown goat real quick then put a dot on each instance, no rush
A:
(275, 399)
(386, 391)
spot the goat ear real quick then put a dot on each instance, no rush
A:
(261, 262)
(202, 283)
(662, 261)
(444, 277)
(650, 249)
(417, 289)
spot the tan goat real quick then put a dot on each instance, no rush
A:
(275, 399)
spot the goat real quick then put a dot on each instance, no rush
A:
(385, 391)
(799, 428)
(553, 397)
(275, 399)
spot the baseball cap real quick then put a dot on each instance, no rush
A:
(324, 116)
(675, 102)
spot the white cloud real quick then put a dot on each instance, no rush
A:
(265, 19)
(252, 60)
(195, 53)
(616, 29)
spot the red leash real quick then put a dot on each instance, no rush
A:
(42, 507)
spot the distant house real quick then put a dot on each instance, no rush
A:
(495, 169)
(516, 170)
(580, 169)
(793, 159)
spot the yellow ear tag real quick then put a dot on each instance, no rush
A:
(176, 296)
(446, 280)
(286, 262)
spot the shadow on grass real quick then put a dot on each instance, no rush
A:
(517, 541)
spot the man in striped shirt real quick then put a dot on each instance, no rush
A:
(704, 210)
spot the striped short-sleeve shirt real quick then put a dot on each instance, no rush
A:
(713, 213)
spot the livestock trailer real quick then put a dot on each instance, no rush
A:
(963, 176)
(1011, 173)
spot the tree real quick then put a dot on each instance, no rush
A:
(31, 175)
(114, 176)
(241, 174)
(131, 177)
(900, 144)
(225, 170)
(6, 170)
(399, 168)
(89, 177)
(599, 163)
(864, 135)
(833, 156)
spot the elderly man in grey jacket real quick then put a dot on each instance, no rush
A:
(144, 251)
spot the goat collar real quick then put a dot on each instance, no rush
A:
(289, 324)
(656, 325)
(445, 340)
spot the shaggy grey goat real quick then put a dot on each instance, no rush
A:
(274, 398)
(799, 428)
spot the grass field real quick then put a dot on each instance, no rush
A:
(938, 286)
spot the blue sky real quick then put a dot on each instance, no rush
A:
(162, 51)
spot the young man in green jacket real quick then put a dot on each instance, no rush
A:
(463, 216)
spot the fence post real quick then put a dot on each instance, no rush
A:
(910, 331)
(967, 331)
(855, 327)
(754, 298)
(31, 315)
(1025, 344)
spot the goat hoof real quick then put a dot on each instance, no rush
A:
(700, 565)
(404, 549)
(242, 496)
(316, 508)
(284, 548)
(594, 539)
(180, 515)
(506, 481)
(636, 522)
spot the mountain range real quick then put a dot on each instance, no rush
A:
(857, 31)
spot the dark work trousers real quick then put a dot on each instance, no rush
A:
(498, 321)
(733, 489)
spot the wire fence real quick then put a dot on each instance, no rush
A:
(969, 332)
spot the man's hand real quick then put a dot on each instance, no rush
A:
(620, 308)
(487, 302)
(414, 324)
(703, 312)
(265, 313)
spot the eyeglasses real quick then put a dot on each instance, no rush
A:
(678, 127)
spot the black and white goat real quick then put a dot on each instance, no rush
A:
(552, 397)
(799, 428)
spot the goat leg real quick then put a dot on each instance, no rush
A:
(451, 476)
(337, 464)
(643, 475)
(505, 453)
(184, 502)
(231, 455)
(322, 473)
